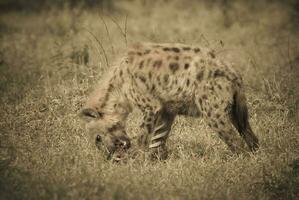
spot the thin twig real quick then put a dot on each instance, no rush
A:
(205, 39)
(126, 22)
(99, 42)
(123, 32)
(108, 34)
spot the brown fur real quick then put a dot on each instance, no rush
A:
(164, 80)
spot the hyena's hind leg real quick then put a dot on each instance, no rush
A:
(222, 112)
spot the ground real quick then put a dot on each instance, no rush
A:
(50, 60)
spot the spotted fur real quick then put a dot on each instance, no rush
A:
(165, 80)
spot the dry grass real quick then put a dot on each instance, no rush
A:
(49, 62)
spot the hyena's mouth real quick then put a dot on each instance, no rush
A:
(118, 150)
(117, 154)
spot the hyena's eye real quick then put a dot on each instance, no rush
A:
(91, 113)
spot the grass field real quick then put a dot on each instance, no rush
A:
(50, 60)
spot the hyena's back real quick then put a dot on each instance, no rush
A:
(174, 73)
(190, 80)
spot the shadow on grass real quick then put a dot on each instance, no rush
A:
(286, 186)
(18, 184)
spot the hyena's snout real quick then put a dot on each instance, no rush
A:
(118, 149)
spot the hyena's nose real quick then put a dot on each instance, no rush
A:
(98, 141)
(122, 142)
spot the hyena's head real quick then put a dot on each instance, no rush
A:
(105, 117)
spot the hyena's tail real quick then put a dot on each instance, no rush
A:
(240, 120)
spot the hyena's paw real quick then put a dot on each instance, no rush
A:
(158, 153)
(142, 141)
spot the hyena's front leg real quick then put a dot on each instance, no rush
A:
(160, 134)
(156, 128)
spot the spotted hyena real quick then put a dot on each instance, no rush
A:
(165, 80)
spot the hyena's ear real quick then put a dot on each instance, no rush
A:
(89, 113)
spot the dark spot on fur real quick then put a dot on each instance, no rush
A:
(209, 114)
(218, 73)
(150, 75)
(110, 87)
(153, 87)
(204, 96)
(219, 86)
(186, 66)
(121, 73)
(188, 82)
(176, 50)
(139, 53)
(142, 78)
(199, 76)
(157, 63)
(174, 67)
(212, 54)
(158, 80)
(141, 64)
(166, 77)
(196, 50)
(186, 48)
(179, 89)
(217, 116)
(216, 106)
(215, 125)
(166, 49)
(143, 100)
(176, 57)
(222, 123)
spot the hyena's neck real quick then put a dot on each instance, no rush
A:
(115, 104)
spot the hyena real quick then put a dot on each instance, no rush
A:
(165, 80)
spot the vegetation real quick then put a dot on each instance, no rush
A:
(50, 61)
